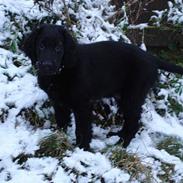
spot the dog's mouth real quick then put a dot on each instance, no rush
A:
(48, 71)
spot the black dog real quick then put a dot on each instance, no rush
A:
(75, 75)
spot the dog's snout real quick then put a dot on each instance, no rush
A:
(47, 68)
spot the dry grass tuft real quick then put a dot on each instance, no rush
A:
(54, 145)
(132, 164)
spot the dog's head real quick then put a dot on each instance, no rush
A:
(50, 48)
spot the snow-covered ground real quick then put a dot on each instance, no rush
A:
(19, 91)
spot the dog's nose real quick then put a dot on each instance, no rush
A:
(47, 67)
(47, 64)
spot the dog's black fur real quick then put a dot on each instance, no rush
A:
(74, 75)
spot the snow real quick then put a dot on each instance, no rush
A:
(143, 47)
(174, 13)
(97, 164)
(61, 176)
(116, 175)
(139, 26)
(88, 162)
(19, 91)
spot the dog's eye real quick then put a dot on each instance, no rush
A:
(41, 46)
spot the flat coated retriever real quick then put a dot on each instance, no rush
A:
(74, 75)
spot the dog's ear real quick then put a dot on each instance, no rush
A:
(69, 50)
(29, 45)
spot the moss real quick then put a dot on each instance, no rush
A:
(132, 164)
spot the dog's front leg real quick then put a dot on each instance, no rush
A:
(62, 116)
(62, 111)
(83, 115)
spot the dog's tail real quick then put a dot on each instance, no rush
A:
(170, 67)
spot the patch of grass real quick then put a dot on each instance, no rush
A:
(174, 106)
(132, 164)
(157, 99)
(172, 145)
(32, 116)
(33, 71)
(54, 145)
(163, 85)
(167, 172)
(172, 54)
(161, 112)
(37, 116)
(20, 62)
(3, 115)
(104, 116)
(22, 158)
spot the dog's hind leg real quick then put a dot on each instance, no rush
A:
(132, 100)
(131, 115)
(131, 126)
